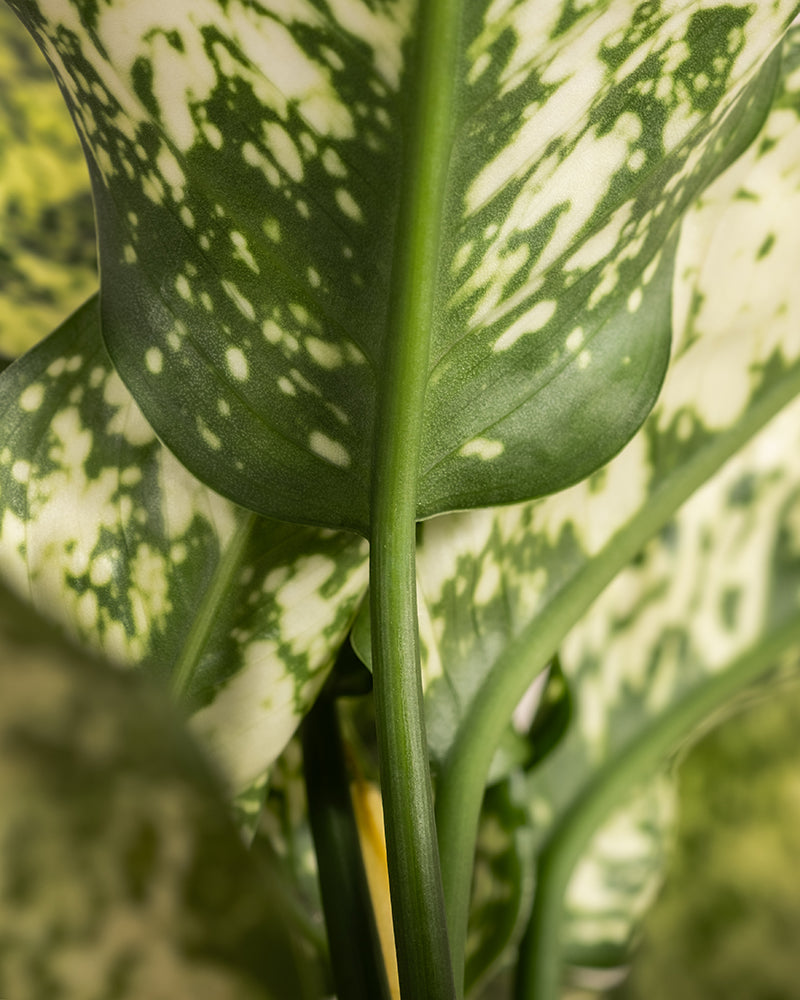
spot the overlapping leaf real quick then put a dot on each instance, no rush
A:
(113, 838)
(503, 880)
(103, 529)
(618, 877)
(246, 161)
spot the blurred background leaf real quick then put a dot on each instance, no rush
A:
(122, 874)
(47, 244)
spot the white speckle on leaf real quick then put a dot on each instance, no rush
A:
(482, 448)
(530, 322)
(635, 300)
(210, 438)
(332, 163)
(32, 397)
(242, 251)
(325, 354)
(283, 149)
(237, 364)
(575, 340)
(327, 448)
(154, 360)
(21, 470)
(348, 205)
(242, 303)
(183, 288)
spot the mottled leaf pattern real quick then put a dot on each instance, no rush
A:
(503, 878)
(245, 161)
(486, 575)
(617, 879)
(113, 839)
(709, 608)
(102, 528)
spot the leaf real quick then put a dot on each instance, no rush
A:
(47, 245)
(503, 879)
(618, 877)
(710, 608)
(113, 838)
(248, 165)
(101, 528)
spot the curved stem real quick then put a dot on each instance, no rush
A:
(417, 899)
(539, 972)
(463, 778)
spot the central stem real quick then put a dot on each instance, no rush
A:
(417, 898)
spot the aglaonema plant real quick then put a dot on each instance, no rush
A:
(365, 263)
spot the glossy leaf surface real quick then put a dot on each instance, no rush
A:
(101, 528)
(246, 162)
(113, 835)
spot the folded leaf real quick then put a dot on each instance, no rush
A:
(102, 529)
(247, 162)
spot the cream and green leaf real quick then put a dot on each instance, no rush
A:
(246, 163)
(101, 528)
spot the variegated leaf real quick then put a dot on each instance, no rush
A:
(487, 577)
(113, 837)
(618, 877)
(710, 607)
(503, 878)
(101, 528)
(247, 161)
(47, 245)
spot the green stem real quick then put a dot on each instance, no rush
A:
(206, 614)
(463, 778)
(417, 898)
(354, 945)
(539, 973)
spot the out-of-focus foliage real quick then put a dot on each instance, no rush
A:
(47, 246)
(121, 872)
(728, 921)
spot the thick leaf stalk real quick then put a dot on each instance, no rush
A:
(424, 964)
